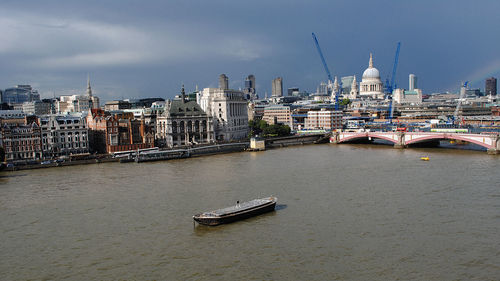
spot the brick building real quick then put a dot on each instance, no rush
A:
(110, 133)
(21, 141)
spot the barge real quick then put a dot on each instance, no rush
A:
(237, 212)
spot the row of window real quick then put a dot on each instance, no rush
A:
(21, 142)
(62, 139)
(66, 145)
(22, 148)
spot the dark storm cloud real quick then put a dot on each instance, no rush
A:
(150, 48)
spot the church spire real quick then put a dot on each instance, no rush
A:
(370, 64)
(89, 89)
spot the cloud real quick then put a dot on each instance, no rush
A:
(57, 42)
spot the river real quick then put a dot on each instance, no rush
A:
(345, 212)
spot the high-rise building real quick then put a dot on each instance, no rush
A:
(223, 82)
(20, 94)
(277, 87)
(293, 91)
(251, 81)
(346, 83)
(249, 89)
(491, 87)
(413, 82)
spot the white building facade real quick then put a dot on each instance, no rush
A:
(183, 123)
(229, 110)
(63, 135)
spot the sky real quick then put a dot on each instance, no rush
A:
(149, 48)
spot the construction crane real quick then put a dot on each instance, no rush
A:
(322, 58)
(390, 87)
(327, 71)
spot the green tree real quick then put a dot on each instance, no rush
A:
(262, 128)
(345, 102)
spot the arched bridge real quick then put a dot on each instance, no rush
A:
(402, 139)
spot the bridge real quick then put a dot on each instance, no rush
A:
(403, 139)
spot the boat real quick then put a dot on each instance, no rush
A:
(237, 212)
(426, 158)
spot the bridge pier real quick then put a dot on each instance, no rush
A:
(496, 143)
(335, 138)
(401, 140)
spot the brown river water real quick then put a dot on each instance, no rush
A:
(345, 212)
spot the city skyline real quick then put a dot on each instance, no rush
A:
(137, 49)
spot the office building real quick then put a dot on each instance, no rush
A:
(277, 87)
(293, 91)
(412, 79)
(20, 94)
(229, 111)
(490, 88)
(21, 142)
(63, 135)
(223, 82)
(249, 89)
(323, 119)
(278, 114)
(412, 96)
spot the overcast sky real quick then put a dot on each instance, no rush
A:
(135, 49)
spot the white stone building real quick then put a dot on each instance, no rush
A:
(411, 96)
(63, 135)
(229, 110)
(36, 107)
(371, 85)
(183, 123)
(407, 96)
(78, 103)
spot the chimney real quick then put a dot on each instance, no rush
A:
(183, 94)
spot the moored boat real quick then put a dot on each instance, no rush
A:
(426, 158)
(237, 212)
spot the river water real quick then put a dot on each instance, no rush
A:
(345, 212)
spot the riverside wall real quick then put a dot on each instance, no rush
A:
(193, 152)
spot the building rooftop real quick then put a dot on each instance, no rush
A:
(185, 108)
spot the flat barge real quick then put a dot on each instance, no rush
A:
(237, 212)
(162, 155)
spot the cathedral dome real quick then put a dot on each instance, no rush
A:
(371, 85)
(371, 72)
